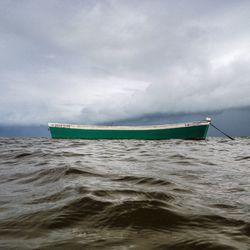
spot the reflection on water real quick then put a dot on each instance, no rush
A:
(124, 194)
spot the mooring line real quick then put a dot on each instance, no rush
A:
(222, 132)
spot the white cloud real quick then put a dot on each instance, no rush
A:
(98, 61)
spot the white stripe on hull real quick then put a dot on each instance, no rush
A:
(97, 127)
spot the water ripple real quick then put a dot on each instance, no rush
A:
(75, 194)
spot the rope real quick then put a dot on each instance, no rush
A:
(222, 132)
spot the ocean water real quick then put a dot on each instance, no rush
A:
(124, 194)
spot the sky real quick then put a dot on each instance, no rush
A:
(104, 61)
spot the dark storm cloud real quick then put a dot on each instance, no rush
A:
(98, 61)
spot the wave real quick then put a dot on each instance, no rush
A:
(143, 180)
(70, 194)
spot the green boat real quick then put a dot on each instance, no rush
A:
(188, 130)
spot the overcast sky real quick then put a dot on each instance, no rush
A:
(99, 61)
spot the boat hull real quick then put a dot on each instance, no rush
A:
(195, 132)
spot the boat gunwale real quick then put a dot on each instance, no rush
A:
(146, 127)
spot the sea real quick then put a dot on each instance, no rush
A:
(124, 194)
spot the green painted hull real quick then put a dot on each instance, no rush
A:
(196, 132)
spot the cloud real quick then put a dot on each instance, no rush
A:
(98, 61)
